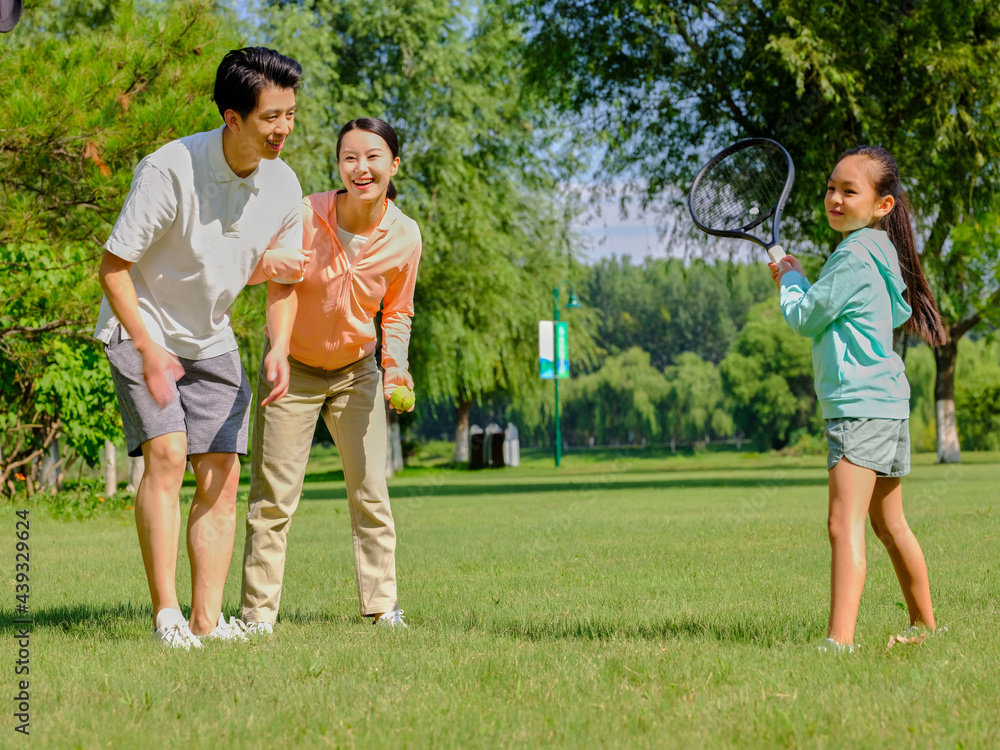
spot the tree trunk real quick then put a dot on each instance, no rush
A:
(110, 470)
(50, 468)
(462, 431)
(136, 468)
(948, 449)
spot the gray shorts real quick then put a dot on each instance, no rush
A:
(212, 404)
(882, 445)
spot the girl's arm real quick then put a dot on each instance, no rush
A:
(810, 310)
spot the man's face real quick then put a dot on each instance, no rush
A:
(262, 134)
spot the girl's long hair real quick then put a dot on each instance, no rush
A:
(925, 321)
(380, 128)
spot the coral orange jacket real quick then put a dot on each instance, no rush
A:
(338, 300)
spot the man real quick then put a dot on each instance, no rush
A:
(194, 229)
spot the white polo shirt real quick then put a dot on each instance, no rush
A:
(195, 233)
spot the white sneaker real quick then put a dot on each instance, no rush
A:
(923, 629)
(831, 646)
(392, 619)
(173, 632)
(914, 636)
(255, 629)
(234, 630)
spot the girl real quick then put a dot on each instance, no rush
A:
(364, 255)
(871, 284)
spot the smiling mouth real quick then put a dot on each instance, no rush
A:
(276, 144)
(364, 183)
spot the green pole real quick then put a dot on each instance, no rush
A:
(555, 364)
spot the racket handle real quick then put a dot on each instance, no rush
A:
(776, 253)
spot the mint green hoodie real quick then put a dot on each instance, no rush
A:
(850, 313)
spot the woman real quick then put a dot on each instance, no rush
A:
(364, 255)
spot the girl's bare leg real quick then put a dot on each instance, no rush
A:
(851, 489)
(891, 527)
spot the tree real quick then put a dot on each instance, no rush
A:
(665, 83)
(668, 307)
(768, 378)
(86, 108)
(618, 402)
(695, 403)
(977, 399)
(477, 175)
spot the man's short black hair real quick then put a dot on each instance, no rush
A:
(244, 73)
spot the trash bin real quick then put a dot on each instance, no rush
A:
(511, 446)
(476, 453)
(496, 450)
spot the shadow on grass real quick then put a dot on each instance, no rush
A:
(127, 621)
(403, 491)
(117, 622)
(746, 631)
(415, 491)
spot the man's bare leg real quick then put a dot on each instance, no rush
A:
(158, 515)
(210, 533)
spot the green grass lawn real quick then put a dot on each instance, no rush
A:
(625, 600)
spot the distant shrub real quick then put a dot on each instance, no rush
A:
(804, 443)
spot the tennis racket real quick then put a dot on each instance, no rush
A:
(740, 188)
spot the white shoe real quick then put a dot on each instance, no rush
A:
(255, 629)
(923, 629)
(914, 636)
(831, 646)
(392, 619)
(173, 632)
(234, 630)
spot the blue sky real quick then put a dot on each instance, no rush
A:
(607, 233)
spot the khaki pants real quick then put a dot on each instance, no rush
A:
(351, 403)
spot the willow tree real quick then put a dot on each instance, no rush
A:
(477, 174)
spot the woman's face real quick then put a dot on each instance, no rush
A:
(850, 201)
(366, 165)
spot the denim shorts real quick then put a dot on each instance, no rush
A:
(882, 445)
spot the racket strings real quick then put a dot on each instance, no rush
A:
(741, 190)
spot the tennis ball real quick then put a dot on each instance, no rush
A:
(402, 398)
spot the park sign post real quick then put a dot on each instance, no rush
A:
(553, 342)
(553, 350)
(553, 338)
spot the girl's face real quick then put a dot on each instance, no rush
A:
(851, 203)
(366, 165)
